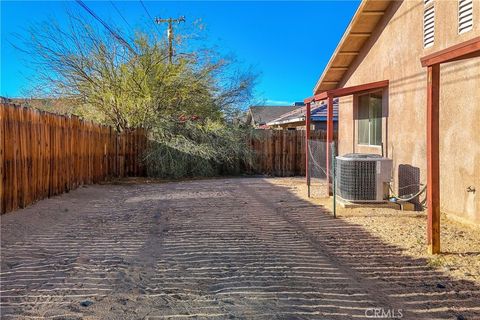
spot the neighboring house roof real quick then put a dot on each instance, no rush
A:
(5, 100)
(318, 113)
(363, 23)
(54, 105)
(263, 114)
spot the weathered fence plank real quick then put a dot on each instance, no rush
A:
(43, 154)
(281, 152)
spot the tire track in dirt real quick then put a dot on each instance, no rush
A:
(212, 249)
(252, 263)
(393, 280)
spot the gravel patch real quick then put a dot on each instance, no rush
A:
(460, 242)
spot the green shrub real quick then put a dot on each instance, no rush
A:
(198, 149)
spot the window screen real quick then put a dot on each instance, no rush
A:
(370, 119)
(363, 119)
(376, 120)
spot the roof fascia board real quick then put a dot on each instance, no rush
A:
(341, 92)
(273, 123)
(301, 119)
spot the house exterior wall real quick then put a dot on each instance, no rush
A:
(393, 53)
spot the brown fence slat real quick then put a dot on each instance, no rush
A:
(281, 152)
(43, 154)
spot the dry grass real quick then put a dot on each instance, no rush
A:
(460, 242)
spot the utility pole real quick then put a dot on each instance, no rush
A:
(170, 22)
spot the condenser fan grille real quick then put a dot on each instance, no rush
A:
(357, 179)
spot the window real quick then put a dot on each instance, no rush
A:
(428, 24)
(465, 15)
(370, 119)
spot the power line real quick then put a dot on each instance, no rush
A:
(170, 22)
(120, 14)
(149, 16)
(113, 32)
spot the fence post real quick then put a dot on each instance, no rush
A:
(307, 137)
(334, 170)
(2, 163)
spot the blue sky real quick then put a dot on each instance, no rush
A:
(288, 43)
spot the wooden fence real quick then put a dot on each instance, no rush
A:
(282, 152)
(43, 154)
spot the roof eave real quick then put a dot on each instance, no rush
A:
(337, 49)
(275, 123)
(362, 13)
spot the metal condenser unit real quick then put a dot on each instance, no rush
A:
(363, 177)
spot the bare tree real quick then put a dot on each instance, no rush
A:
(116, 85)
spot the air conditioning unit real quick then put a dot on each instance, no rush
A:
(363, 177)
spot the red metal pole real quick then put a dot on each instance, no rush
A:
(433, 159)
(307, 137)
(329, 139)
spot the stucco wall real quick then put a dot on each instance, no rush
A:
(393, 53)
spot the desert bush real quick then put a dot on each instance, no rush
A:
(189, 106)
(195, 148)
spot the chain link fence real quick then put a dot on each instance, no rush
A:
(317, 182)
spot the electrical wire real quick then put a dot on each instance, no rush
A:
(110, 29)
(120, 14)
(151, 18)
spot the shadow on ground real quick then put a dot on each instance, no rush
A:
(234, 248)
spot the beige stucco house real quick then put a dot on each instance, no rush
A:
(385, 41)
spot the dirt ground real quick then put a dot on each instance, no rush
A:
(240, 248)
(460, 242)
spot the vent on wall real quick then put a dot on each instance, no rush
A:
(465, 15)
(428, 25)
